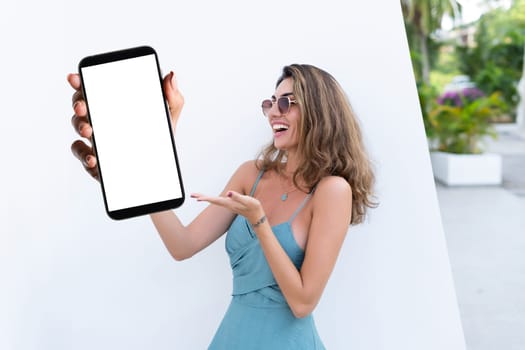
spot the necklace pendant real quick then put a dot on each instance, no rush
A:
(284, 196)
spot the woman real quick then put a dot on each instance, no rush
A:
(286, 213)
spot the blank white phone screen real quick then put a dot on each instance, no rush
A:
(131, 132)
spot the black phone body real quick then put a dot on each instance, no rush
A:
(132, 134)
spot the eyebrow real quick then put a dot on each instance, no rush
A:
(283, 95)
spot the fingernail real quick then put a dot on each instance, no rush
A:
(173, 81)
(230, 194)
(88, 160)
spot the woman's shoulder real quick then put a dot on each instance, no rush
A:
(332, 188)
(333, 196)
(249, 167)
(246, 174)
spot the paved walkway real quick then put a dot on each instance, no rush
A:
(511, 145)
(485, 232)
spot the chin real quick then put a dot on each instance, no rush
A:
(281, 146)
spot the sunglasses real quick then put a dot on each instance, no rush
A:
(283, 103)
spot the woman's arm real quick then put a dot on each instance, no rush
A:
(184, 241)
(332, 208)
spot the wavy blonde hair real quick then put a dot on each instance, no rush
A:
(330, 141)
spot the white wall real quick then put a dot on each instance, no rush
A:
(73, 279)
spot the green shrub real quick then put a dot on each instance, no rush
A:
(460, 120)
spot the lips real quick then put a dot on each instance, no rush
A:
(279, 128)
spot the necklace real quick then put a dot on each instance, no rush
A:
(285, 194)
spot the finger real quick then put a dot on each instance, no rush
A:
(74, 80)
(79, 105)
(243, 204)
(78, 96)
(93, 172)
(173, 95)
(84, 153)
(237, 197)
(211, 199)
(80, 108)
(82, 126)
(224, 202)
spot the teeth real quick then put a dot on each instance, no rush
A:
(280, 126)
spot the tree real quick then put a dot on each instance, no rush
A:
(495, 62)
(422, 19)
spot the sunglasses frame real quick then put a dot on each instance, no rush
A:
(267, 110)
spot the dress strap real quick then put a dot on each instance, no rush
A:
(256, 182)
(303, 203)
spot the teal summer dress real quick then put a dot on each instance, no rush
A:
(258, 317)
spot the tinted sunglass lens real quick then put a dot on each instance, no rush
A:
(266, 106)
(284, 105)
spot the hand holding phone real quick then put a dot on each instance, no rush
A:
(132, 135)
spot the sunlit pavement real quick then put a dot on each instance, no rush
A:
(485, 233)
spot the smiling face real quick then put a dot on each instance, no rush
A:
(285, 126)
(320, 136)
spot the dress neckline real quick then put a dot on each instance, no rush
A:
(297, 210)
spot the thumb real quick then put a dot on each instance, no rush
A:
(232, 194)
(241, 198)
(236, 196)
(173, 96)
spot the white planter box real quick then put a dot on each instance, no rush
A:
(466, 169)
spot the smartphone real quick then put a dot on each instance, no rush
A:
(132, 135)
